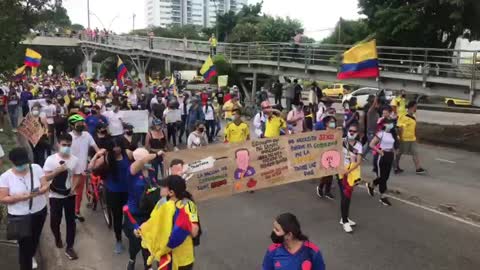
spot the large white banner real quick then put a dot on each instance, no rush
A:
(138, 119)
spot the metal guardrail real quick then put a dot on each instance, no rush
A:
(427, 62)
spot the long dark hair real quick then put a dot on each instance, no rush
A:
(111, 159)
(178, 185)
(290, 224)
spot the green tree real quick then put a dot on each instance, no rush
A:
(348, 32)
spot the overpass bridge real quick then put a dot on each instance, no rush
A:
(428, 71)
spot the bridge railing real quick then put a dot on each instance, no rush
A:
(427, 62)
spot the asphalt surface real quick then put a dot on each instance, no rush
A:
(404, 236)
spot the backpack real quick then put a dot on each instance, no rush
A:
(150, 196)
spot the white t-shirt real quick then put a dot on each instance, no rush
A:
(115, 125)
(101, 89)
(350, 157)
(209, 112)
(259, 120)
(80, 146)
(386, 140)
(153, 101)
(18, 185)
(194, 140)
(172, 115)
(50, 112)
(73, 167)
(132, 98)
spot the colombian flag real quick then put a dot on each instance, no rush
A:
(361, 61)
(208, 69)
(121, 71)
(32, 58)
(19, 73)
(173, 86)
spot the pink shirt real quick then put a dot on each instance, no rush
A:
(294, 114)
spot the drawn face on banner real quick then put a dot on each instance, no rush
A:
(242, 158)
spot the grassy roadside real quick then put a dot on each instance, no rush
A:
(7, 140)
(462, 137)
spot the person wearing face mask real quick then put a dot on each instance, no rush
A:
(209, 113)
(140, 174)
(352, 153)
(295, 118)
(82, 142)
(173, 118)
(42, 148)
(325, 185)
(291, 249)
(156, 141)
(115, 164)
(60, 120)
(407, 125)
(129, 140)
(94, 119)
(114, 119)
(198, 137)
(101, 137)
(237, 131)
(22, 190)
(383, 144)
(195, 114)
(261, 118)
(371, 118)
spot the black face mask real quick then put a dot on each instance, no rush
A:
(129, 133)
(103, 131)
(277, 239)
(201, 130)
(79, 128)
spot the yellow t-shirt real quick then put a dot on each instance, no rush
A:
(273, 126)
(184, 254)
(228, 107)
(400, 104)
(408, 124)
(237, 134)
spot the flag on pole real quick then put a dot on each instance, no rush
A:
(361, 61)
(121, 71)
(19, 73)
(32, 58)
(173, 86)
(208, 69)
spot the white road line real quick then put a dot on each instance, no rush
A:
(461, 220)
(445, 160)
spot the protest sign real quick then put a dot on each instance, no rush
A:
(31, 129)
(42, 101)
(222, 81)
(138, 119)
(188, 75)
(227, 169)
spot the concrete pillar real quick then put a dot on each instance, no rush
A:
(254, 86)
(141, 65)
(88, 62)
(168, 67)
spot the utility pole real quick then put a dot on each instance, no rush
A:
(88, 12)
(340, 31)
(133, 28)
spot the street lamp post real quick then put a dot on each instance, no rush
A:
(88, 12)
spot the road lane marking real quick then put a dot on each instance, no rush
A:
(445, 160)
(433, 210)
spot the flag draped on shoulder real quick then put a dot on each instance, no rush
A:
(32, 58)
(208, 69)
(361, 61)
(121, 71)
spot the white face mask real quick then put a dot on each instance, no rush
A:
(35, 112)
(352, 137)
(388, 127)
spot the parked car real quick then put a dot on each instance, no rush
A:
(457, 102)
(336, 90)
(362, 96)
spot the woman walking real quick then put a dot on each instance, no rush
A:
(12, 105)
(325, 186)
(198, 137)
(115, 165)
(22, 189)
(156, 141)
(291, 249)
(352, 152)
(383, 144)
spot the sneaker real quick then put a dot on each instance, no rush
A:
(385, 201)
(370, 190)
(118, 248)
(175, 149)
(398, 170)
(420, 171)
(351, 222)
(329, 196)
(80, 218)
(347, 227)
(71, 254)
(59, 243)
(34, 263)
(319, 192)
(131, 265)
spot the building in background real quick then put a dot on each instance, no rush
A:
(182, 12)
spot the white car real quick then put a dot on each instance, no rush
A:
(362, 96)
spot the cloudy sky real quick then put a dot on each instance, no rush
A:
(316, 15)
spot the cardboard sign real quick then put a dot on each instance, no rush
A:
(222, 81)
(138, 119)
(42, 101)
(227, 169)
(31, 129)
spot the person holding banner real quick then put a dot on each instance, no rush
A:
(325, 185)
(42, 147)
(291, 249)
(352, 152)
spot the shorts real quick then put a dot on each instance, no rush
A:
(408, 148)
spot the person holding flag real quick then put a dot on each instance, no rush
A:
(208, 69)
(32, 59)
(361, 61)
(121, 71)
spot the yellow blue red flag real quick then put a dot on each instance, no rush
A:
(361, 61)
(32, 58)
(208, 69)
(121, 71)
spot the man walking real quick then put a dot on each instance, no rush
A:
(407, 125)
(278, 92)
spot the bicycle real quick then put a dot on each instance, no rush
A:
(95, 191)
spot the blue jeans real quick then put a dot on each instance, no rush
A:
(13, 114)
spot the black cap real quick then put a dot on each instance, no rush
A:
(18, 156)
